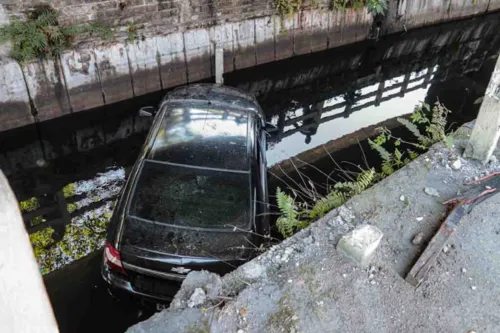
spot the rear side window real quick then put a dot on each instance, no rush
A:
(202, 137)
(191, 197)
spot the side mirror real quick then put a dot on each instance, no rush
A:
(147, 111)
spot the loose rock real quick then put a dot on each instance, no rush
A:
(420, 219)
(361, 243)
(346, 214)
(417, 240)
(456, 165)
(431, 191)
(402, 198)
(197, 298)
(252, 271)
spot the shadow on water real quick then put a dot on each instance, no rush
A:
(325, 105)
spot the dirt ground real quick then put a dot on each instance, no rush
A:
(306, 286)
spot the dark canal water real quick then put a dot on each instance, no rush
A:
(325, 105)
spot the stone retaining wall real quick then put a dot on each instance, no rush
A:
(176, 46)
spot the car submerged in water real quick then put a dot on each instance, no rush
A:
(196, 198)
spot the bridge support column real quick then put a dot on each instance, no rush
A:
(23, 299)
(486, 131)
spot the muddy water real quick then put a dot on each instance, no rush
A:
(325, 106)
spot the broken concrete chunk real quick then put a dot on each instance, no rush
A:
(252, 271)
(197, 298)
(456, 165)
(417, 240)
(361, 243)
(346, 214)
(210, 283)
(431, 191)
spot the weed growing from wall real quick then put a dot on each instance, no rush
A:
(41, 36)
(287, 7)
(377, 7)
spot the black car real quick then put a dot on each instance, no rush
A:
(196, 197)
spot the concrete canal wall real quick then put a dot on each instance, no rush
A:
(175, 45)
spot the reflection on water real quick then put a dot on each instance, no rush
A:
(340, 115)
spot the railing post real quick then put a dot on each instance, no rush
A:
(486, 131)
(24, 304)
(219, 64)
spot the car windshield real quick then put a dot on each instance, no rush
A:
(202, 137)
(191, 197)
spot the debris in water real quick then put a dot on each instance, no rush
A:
(431, 191)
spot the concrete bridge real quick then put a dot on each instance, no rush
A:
(177, 45)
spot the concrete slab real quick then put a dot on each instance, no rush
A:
(14, 100)
(244, 44)
(172, 60)
(284, 36)
(319, 30)
(302, 32)
(114, 72)
(47, 87)
(198, 55)
(144, 68)
(222, 35)
(264, 37)
(82, 79)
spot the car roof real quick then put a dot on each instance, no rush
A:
(216, 93)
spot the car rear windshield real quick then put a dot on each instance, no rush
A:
(191, 197)
(203, 137)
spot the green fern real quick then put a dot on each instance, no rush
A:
(363, 181)
(384, 154)
(333, 200)
(437, 126)
(288, 223)
(425, 141)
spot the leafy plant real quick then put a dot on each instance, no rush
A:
(295, 216)
(29, 205)
(41, 35)
(131, 32)
(288, 223)
(69, 190)
(287, 7)
(342, 192)
(377, 7)
(343, 4)
(78, 241)
(434, 122)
